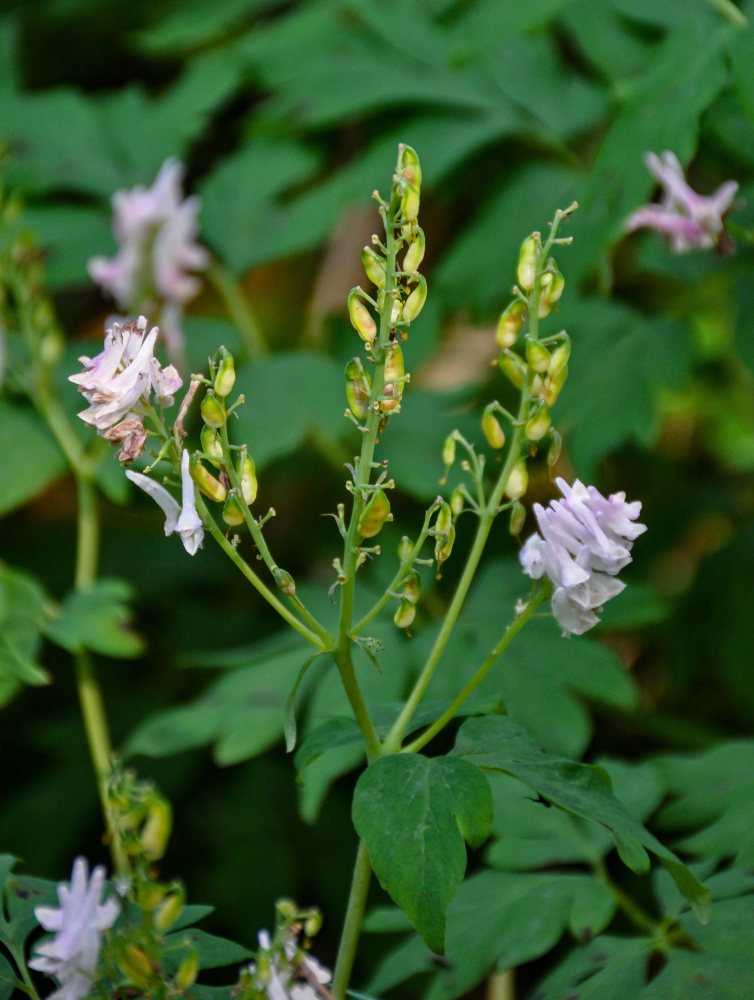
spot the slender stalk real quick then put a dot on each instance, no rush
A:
(239, 309)
(362, 871)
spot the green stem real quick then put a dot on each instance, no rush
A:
(239, 309)
(19, 959)
(354, 918)
(473, 683)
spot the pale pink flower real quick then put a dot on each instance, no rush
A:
(691, 221)
(72, 955)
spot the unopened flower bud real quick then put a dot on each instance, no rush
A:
(169, 909)
(361, 319)
(405, 614)
(313, 924)
(211, 445)
(405, 547)
(527, 262)
(226, 373)
(491, 428)
(552, 386)
(559, 357)
(246, 472)
(537, 356)
(538, 424)
(358, 388)
(444, 545)
(517, 518)
(284, 581)
(457, 502)
(136, 965)
(412, 588)
(374, 267)
(394, 372)
(518, 481)
(415, 302)
(415, 253)
(206, 482)
(374, 514)
(187, 971)
(449, 451)
(233, 512)
(156, 831)
(510, 323)
(213, 411)
(513, 366)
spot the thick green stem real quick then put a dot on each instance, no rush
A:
(362, 872)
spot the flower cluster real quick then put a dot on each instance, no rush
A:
(691, 221)
(120, 379)
(286, 973)
(585, 541)
(71, 956)
(183, 517)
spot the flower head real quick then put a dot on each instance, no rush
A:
(585, 541)
(123, 375)
(71, 956)
(691, 221)
(287, 972)
(182, 518)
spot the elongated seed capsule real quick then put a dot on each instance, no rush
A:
(449, 451)
(491, 428)
(226, 373)
(409, 178)
(213, 411)
(411, 588)
(358, 388)
(518, 481)
(510, 323)
(211, 445)
(513, 366)
(405, 614)
(187, 972)
(394, 372)
(284, 581)
(527, 262)
(538, 424)
(415, 253)
(206, 482)
(415, 302)
(171, 907)
(404, 548)
(246, 472)
(443, 520)
(374, 267)
(457, 502)
(361, 319)
(553, 384)
(155, 833)
(374, 514)
(553, 284)
(517, 519)
(559, 357)
(233, 512)
(537, 356)
(444, 545)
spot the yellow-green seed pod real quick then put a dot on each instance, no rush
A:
(444, 545)
(552, 284)
(518, 481)
(409, 168)
(510, 323)
(415, 302)
(284, 581)
(552, 386)
(155, 833)
(187, 971)
(553, 452)
(405, 614)
(559, 357)
(136, 965)
(213, 411)
(374, 267)
(513, 366)
(358, 388)
(405, 547)
(517, 518)
(313, 924)
(246, 472)
(444, 519)
(457, 502)
(538, 424)
(415, 253)
(361, 319)
(410, 201)
(537, 356)
(491, 427)
(394, 372)
(233, 512)
(374, 514)
(206, 482)
(412, 588)
(169, 909)
(226, 373)
(527, 262)
(449, 451)
(211, 445)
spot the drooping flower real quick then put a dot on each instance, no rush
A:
(123, 375)
(585, 541)
(287, 973)
(72, 955)
(691, 221)
(182, 518)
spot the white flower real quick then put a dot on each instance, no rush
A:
(585, 541)
(71, 956)
(182, 518)
(290, 976)
(124, 374)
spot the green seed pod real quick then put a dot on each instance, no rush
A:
(513, 366)
(246, 472)
(136, 965)
(412, 588)
(374, 514)
(517, 519)
(537, 356)
(361, 319)
(211, 446)
(226, 373)
(559, 357)
(449, 451)
(510, 323)
(212, 411)
(374, 267)
(457, 502)
(553, 284)
(358, 388)
(313, 924)
(409, 168)
(169, 909)
(155, 833)
(491, 428)
(187, 972)
(405, 614)
(404, 548)
(527, 262)
(415, 253)
(394, 372)
(552, 386)
(233, 512)
(206, 482)
(444, 545)
(284, 581)
(444, 519)
(415, 302)
(538, 424)
(410, 200)
(518, 481)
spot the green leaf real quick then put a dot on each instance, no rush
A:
(22, 603)
(19, 894)
(31, 459)
(414, 814)
(9, 980)
(97, 619)
(498, 744)
(212, 951)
